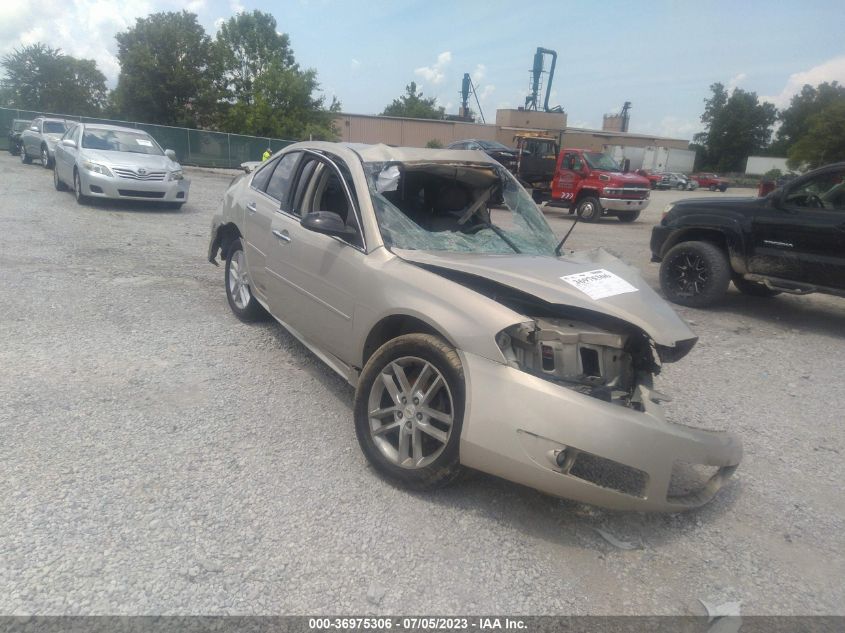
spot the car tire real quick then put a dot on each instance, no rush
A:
(589, 209)
(754, 288)
(404, 443)
(57, 182)
(695, 274)
(628, 216)
(238, 291)
(712, 187)
(14, 149)
(46, 162)
(681, 186)
(81, 198)
(25, 159)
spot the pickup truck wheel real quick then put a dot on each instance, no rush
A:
(238, 289)
(589, 209)
(694, 274)
(712, 187)
(754, 288)
(409, 408)
(628, 216)
(25, 159)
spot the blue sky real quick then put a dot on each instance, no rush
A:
(661, 56)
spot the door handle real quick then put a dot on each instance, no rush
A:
(250, 206)
(282, 235)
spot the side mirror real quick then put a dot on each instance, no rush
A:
(69, 142)
(327, 222)
(34, 128)
(170, 154)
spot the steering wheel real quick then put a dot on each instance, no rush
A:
(814, 201)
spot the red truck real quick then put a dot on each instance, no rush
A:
(654, 178)
(594, 185)
(710, 181)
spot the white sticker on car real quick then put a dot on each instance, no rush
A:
(144, 142)
(599, 283)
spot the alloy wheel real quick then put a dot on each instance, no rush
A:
(411, 412)
(45, 157)
(239, 281)
(688, 273)
(77, 186)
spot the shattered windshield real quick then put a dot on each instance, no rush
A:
(457, 207)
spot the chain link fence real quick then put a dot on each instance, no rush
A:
(193, 147)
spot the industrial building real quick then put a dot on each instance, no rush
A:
(642, 150)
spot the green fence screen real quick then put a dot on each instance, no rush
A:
(202, 148)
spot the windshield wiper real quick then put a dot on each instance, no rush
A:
(563, 241)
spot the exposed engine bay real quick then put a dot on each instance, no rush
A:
(578, 355)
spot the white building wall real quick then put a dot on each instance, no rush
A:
(759, 165)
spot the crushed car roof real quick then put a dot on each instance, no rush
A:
(382, 153)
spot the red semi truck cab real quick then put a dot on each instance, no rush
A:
(592, 184)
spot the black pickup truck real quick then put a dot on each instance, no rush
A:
(792, 240)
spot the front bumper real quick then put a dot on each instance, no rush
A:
(515, 424)
(99, 186)
(621, 204)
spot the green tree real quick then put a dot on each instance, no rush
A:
(795, 120)
(248, 45)
(265, 92)
(824, 140)
(281, 105)
(39, 77)
(414, 105)
(167, 71)
(736, 127)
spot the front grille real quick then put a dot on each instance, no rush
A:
(131, 193)
(134, 175)
(609, 474)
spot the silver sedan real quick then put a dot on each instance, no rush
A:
(432, 283)
(107, 161)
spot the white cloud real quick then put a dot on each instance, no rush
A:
(355, 64)
(434, 74)
(486, 91)
(236, 6)
(195, 6)
(82, 28)
(478, 73)
(831, 70)
(735, 81)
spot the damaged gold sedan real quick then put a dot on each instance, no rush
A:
(431, 281)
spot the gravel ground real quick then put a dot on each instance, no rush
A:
(161, 457)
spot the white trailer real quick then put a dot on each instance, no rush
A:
(653, 158)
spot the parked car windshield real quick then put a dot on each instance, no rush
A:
(463, 207)
(597, 160)
(53, 127)
(494, 146)
(119, 141)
